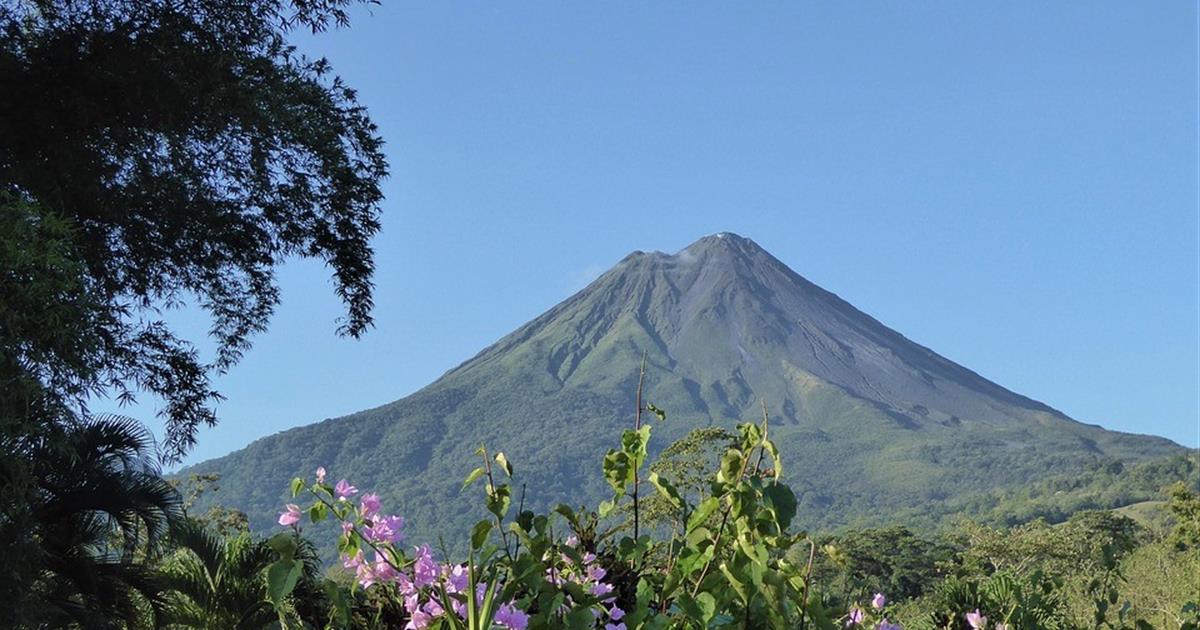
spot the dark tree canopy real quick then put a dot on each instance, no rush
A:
(157, 152)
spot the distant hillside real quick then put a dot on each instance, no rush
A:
(1103, 484)
(872, 425)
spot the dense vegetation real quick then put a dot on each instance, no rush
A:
(717, 549)
(702, 537)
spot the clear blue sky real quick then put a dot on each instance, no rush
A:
(1014, 186)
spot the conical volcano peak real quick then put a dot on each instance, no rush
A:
(723, 251)
(719, 244)
(723, 243)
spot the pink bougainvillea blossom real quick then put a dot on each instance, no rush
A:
(596, 573)
(425, 570)
(512, 617)
(418, 620)
(291, 516)
(369, 506)
(385, 530)
(344, 490)
(352, 562)
(321, 474)
(456, 578)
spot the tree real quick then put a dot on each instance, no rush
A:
(222, 520)
(218, 582)
(892, 560)
(101, 510)
(1184, 505)
(177, 150)
(154, 153)
(687, 463)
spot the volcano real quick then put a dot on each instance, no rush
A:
(873, 427)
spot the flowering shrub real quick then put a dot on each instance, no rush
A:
(725, 564)
(515, 576)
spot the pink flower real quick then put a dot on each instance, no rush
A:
(456, 578)
(512, 617)
(418, 620)
(352, 562)
(596, 573)
(291, 516)
(434, 608)
(425, 570)
(404, 585)
(320, 474)
(384, 571)
(976, 620)
(343, 489)
(379, 532)
(614, 626)
(601, 589)
(365, 574)
(347, 527)
(878, 601)
(370, 505)
(855, 617)
(615, 613)
(369, 573)
(887, 625)
(395, 524)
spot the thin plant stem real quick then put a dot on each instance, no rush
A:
(637, 425)
(812, 552)
(487, 462)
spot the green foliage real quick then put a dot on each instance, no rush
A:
(1032, 601)
(215, 581)
(100, 513)
(217, 153)
(1159, 583)
(733, 560)
(853, 565)
(151, 153)
(1184, 505)
(738, 568)
(1103, 484)
(224, 521)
